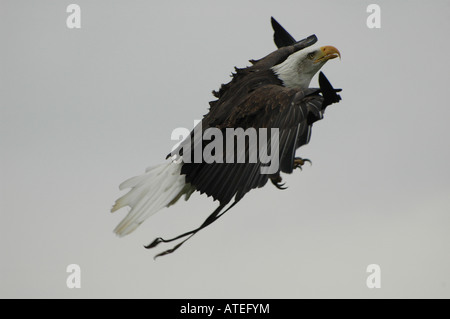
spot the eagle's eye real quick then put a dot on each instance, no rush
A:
(311, 55)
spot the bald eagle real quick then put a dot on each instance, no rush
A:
(272, 93)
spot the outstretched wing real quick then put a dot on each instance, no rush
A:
(281, 37)
(291, 111)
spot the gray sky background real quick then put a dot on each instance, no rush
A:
(83, 110)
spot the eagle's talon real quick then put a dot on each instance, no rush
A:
(280, 186)
(299, 162)
(277, 182)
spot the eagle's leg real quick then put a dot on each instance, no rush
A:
(299, 162)
(276, 180)
(211, 218)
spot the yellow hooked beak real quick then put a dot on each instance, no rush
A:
(327, 53)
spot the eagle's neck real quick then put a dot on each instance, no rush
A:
(292, 72)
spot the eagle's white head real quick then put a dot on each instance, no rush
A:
(299, 68)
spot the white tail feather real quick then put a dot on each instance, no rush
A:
(149, 193)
